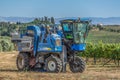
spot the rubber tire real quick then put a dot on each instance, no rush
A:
(25, 58)
(57, 61)
(78, 65)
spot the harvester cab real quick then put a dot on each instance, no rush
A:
(75, 32)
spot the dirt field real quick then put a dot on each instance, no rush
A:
(8, 71)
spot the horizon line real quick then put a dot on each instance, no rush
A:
(57, 17)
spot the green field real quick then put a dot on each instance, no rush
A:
(103, 46)
(105, 36)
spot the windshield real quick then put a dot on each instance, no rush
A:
(80, 31)
(67, 27)
(75, 31)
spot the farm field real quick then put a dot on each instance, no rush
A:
(8, 71)
(42, 40)
(105, 36)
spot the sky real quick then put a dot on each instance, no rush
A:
(60, 8)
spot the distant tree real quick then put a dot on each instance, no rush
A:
(36, 19)
(42, 19)
(18, 23)
(100, 26)
(49, 19)
(52, 20)
(39, 19)
(46, 18)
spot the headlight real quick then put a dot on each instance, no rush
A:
(58, 42)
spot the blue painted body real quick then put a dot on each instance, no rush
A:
(37, 33)
(78, 47)
(60, 33)
(40, 45)
(50, 45)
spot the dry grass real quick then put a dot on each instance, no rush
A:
(8, 71)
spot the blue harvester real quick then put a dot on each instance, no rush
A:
(50, 49)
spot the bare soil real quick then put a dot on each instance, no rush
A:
(8, 71)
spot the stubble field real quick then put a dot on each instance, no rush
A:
(8, 71)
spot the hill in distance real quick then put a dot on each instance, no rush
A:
(95, 20)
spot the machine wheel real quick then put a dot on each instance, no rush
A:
(78, 65)
(53, 64)
(22, 61)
